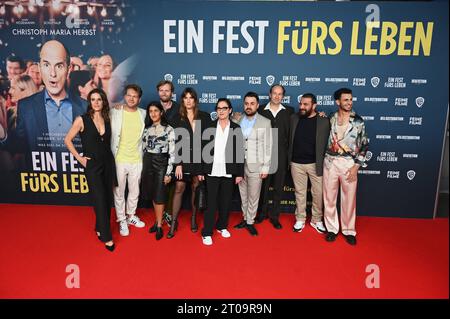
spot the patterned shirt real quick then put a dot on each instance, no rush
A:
(160, 140)
(354, 144)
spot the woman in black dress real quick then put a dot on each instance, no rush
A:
(159, 155)
(94, 128)
(188, 128)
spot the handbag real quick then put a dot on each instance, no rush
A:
(200, 196)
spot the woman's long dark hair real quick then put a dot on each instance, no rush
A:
(183, 111)
(105, 109)
(148, 120)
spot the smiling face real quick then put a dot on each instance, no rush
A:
(155, 114)
(276, 96)
(306, 107)
(132, 98)
(345, 102)
(165, 93)
(35, 74)
(54, 68)
(96, 102)
(104, 67)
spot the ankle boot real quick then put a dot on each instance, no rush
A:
(159, 233)
(194, 226)
(173, 228)
(153, 228)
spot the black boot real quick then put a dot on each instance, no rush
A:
(173, 227)
(153, 228)
(159, 233)
(194, 226)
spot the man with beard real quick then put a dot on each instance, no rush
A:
(256, 130)
(309, 137)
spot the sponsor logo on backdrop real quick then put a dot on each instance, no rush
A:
(420, 101)
(208, 98)
(393, 174)
(418, 81)
(336, 80)
(359, 81)
(408, 137)
(401, 101)
(387, 157)
(368, 172)
(392, 118)
(375, 81)
(290, 80)
(270, 79)
(411, 174)
(233, 78)
(209, 78)
(376, 99)
(410, 155)
(383, 137)
(368, 118)
(395, 83)
(234, 97)
(299, 98)
(415, 121)
(312, 79)
(168, 77)
(255, 80)
(368, 155)
(325, 100)
(187, 79)
(213, 115)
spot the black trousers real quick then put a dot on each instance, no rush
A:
(277, 182)
(100, 188)
(219, 195)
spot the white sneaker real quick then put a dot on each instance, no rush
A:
(299, 225)
(319, 226)
(134, 220)
(123, 228)
(207, 240)
(225, 233)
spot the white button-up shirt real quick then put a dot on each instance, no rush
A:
(274, 113)
(219, 168)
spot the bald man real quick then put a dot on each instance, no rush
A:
(44, 118)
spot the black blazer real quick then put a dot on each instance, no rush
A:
(234, 150)
(188, 144)
(322, 134)
(282, 123)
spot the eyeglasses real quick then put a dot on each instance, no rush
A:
(222, 108)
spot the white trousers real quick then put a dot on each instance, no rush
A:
(130, 173)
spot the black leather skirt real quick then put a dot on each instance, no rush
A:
(152, 182)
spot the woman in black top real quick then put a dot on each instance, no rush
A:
(95, 132)
(188, 130)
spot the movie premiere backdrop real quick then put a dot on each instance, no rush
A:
(394, 56)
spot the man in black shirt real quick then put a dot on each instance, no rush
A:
(309, 137)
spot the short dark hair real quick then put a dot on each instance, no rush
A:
(17, 59)
(252, 94)
(227, 101)
(338, 93)
(311, 96)
(164, 82)
(134, 87)
(275, 85)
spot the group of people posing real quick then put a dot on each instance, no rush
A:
(155, 152)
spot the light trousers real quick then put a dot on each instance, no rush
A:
(250, 190)
(131, 174)
(335, 178)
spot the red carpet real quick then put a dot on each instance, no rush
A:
(38, 242)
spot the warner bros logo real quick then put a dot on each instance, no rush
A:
(411, 174)
(420, 101)
(168, 77)
(375, 81)
(270, 79)
(368, 155)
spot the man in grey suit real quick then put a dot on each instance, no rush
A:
(308, 141)
(258, 147)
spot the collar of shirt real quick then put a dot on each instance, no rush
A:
(274, 113)
(48, 98)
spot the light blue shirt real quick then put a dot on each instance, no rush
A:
(59, 121)
(247, 125)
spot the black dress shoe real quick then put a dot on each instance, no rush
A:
(153, 228)
(241, 225)
(159, 233)
(252, 230)
(110, 248)
(350, 239)
(330, 237)
(170, 234)
(276, 224)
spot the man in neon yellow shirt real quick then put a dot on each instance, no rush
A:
(127, 126)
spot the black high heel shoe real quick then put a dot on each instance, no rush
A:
(173, 229)
(153, 228)
(110, 248)
(159, 233)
